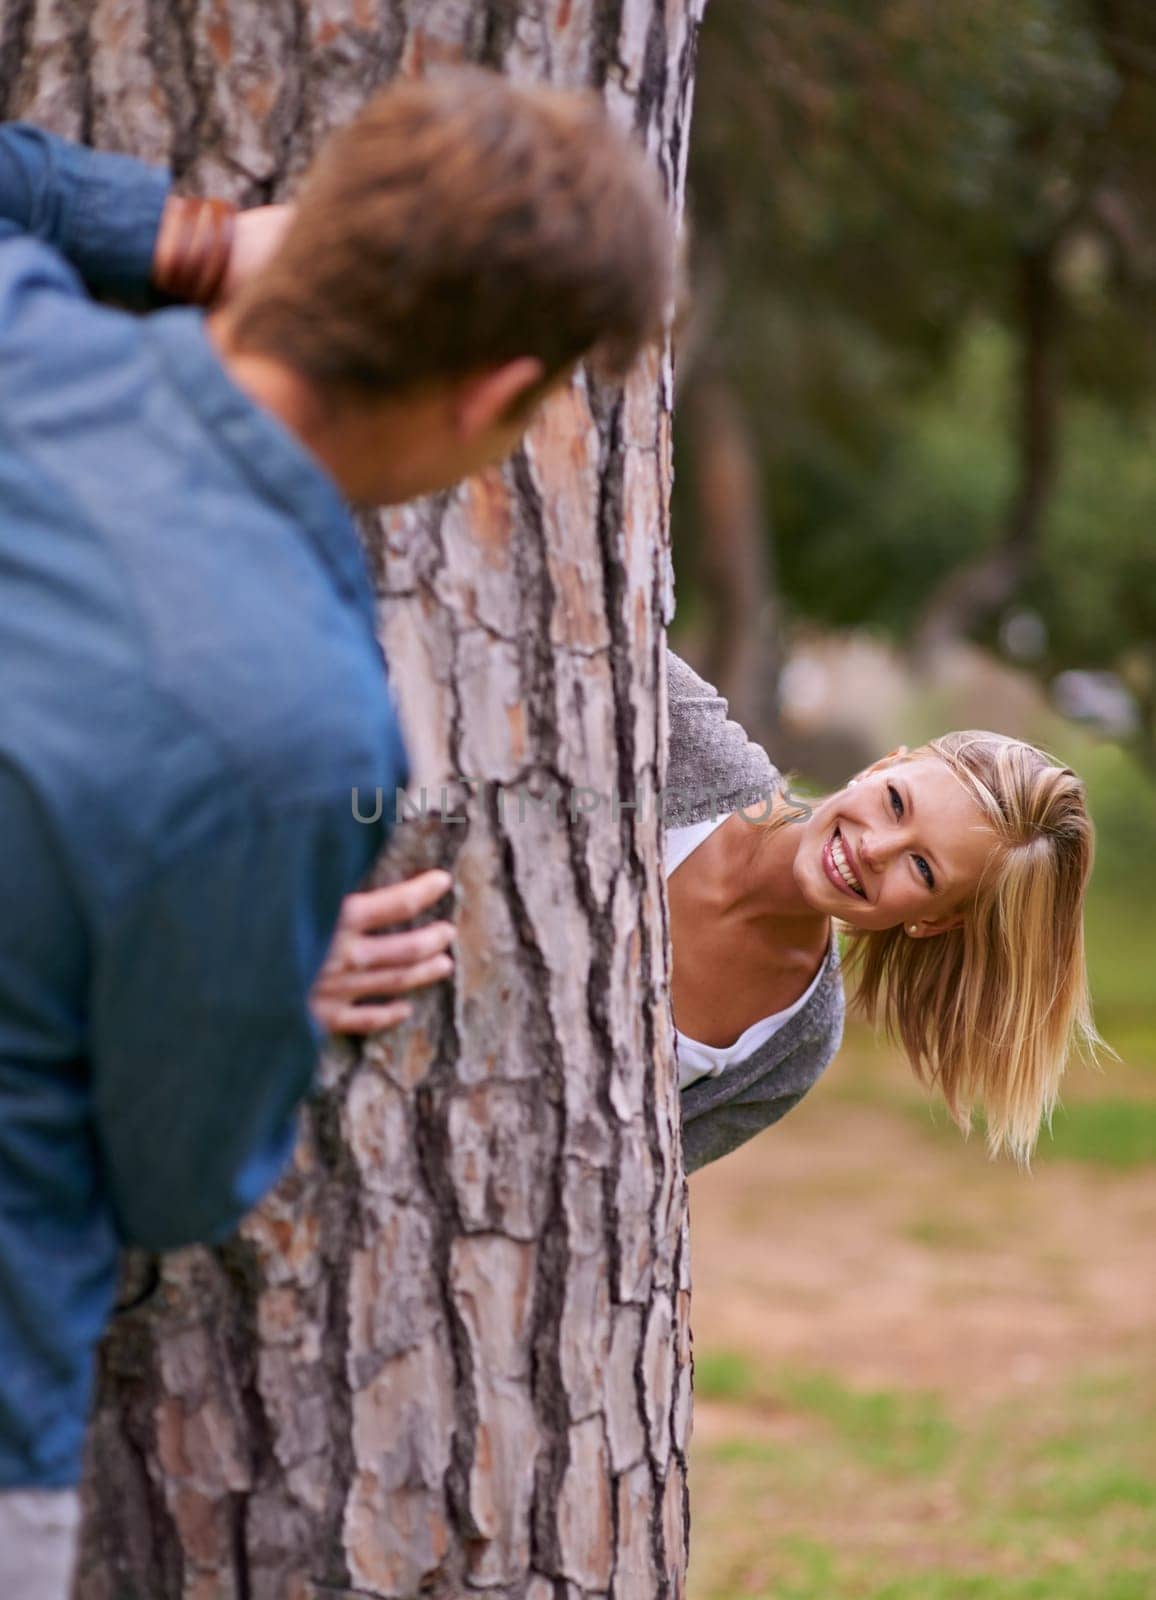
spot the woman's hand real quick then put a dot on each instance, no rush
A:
(365, 965)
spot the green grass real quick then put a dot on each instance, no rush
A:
(1119, 1134)
(1121, 938)
(808, 1571)
(1049, 1499)
(1121, 950)
(946, 1233)
(1057, 1583)
(894, 1430)
(1111, 1133)
(726, 1375)
(902, 1430)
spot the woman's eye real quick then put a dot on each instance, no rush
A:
(928, 875)
(896, 799)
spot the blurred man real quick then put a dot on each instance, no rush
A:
(192, 686)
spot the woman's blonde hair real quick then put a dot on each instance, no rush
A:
(992, 1010)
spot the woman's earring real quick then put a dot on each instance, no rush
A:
(851, 782)
(913, 927)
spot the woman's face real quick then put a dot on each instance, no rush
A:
(903, 843)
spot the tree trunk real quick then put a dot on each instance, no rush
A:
(451, 1353)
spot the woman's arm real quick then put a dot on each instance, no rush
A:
(714, 767)
(719, 1114)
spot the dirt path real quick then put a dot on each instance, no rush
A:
(850, 1239)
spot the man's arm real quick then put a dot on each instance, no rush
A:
(102, 212)
(202, 1042)
(114, 219)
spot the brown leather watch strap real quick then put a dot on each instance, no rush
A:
(193, 247)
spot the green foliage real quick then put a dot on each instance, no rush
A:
(870, 536)
(867, 535)
(881, 162)
(866, 178)
(1097, 580)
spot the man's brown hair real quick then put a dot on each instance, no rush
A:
(458, 224)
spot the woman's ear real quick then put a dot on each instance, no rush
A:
(930, 926)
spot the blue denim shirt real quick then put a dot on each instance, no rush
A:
(190, 690)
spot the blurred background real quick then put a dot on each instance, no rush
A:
(916, 490)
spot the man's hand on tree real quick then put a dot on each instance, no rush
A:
(366, 966)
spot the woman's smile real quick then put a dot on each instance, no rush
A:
(838, 865)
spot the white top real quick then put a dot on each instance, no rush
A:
(697, 1060)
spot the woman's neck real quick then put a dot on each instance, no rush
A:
(759, 869)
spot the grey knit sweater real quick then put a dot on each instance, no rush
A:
(715, 768)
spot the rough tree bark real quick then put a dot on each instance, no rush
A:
(451, 1353)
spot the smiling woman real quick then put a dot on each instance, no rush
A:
(957, 872)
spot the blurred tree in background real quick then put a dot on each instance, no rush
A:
(925, 346)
